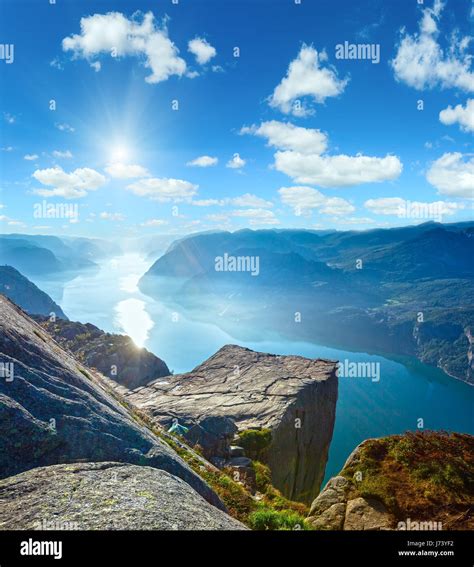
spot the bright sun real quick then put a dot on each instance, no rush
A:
(119, 153)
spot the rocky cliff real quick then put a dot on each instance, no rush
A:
(115, 356)
(289, 402)
(53, 410)
(422, 480)
(105, 496)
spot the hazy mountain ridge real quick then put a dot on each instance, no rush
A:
(383, 290)
(26, 294)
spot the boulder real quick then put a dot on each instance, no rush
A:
(367, 514)
(105, 496)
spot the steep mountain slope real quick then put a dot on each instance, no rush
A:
(25, 294)
(52, 410)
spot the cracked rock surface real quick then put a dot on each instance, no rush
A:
(293, 396)
(105, 496)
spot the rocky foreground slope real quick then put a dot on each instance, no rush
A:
(105, 496)
(53, 411)
(285, 405)
(415, 481)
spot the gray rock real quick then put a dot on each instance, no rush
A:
(331, 518)
(105, 496)
(236, 451)
(294, 397)
(54, 411)
(240, 462)
(367, 514)
(333, 493)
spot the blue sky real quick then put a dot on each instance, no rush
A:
(290, 134)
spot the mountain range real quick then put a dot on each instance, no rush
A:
(403, 291)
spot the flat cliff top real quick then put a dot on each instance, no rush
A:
(252, 388)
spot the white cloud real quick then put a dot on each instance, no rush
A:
(453, 174)
(112, 216)
(9, 118)
(306, 77)
(287, 136)
(31, 157)
(65, 127)
(236, 162)
(202, 50)
(464, 116)
(7, 149)
(257, 217)
(164, 189)
(62, 155)
(303, 199)
(208, 202)
(126, 171)
(422, 63)
(116, 35)
(249, 200)
(203, 161)
(420, 210)
(339, 170)
(68, 185)
(154, 222)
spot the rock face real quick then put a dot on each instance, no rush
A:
(293, 397)
(115, 356)
(105, 496)
(53, 410)
(24, 293)
(401, 482)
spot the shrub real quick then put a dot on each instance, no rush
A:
(255, 442)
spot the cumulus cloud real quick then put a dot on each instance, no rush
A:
(257, 217)
(287, 136)
(164, 189)
(422, 63)
(154, 222)
(68, 185)
(396, 206)
(339, 170)
(306, 77)
(249, 200)
(236, 162)
(453, 174)
(203, 161)
(202, 50)
(112, 216)
(118, 36)
(126, 170)
(31, 157)
(464, 116)
(304, 199)
(62, 154)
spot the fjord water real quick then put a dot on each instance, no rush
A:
(405, 394)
